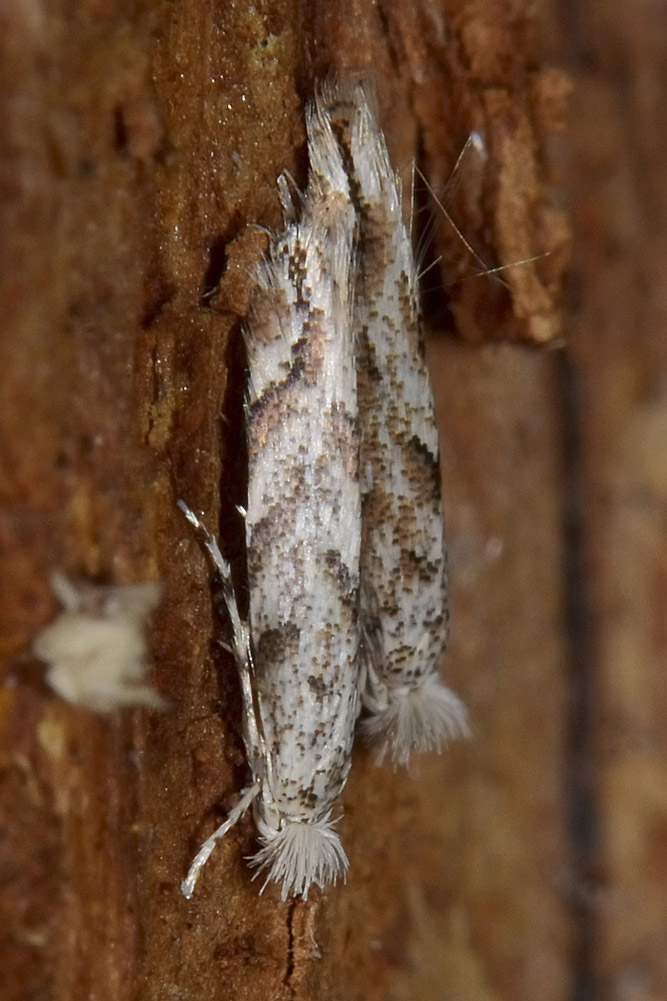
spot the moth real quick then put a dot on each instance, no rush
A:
(297, 652)
(404, 610)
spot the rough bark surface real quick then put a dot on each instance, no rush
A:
(139, 149)
(618, 417)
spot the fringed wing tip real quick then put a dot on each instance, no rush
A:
(416, 720)
(300, 855)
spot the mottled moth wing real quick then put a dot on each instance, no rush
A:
(404, 593)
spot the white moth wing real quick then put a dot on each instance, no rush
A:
(404, 593)
(297, 654)
(303, 522)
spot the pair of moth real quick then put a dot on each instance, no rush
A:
(348, 606)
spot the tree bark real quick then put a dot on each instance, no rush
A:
(617, 381)
(138, 162)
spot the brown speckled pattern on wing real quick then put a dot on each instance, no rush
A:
(404, 598)
(303, 513)
(403, 545)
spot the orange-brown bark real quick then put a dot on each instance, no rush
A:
(139, 153)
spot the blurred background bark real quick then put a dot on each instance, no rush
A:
(139, 150)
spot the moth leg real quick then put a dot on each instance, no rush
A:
(224, 572)
(202, 856)
(240, 645)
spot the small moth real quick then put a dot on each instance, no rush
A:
(96, 648)
(404, 592)
(297, 654)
